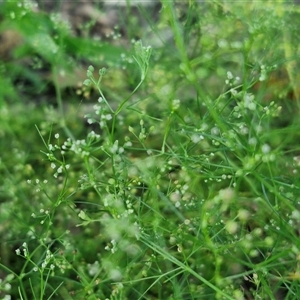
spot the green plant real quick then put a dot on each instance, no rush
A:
(184, 188)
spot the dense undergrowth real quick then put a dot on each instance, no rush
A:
(168, 170)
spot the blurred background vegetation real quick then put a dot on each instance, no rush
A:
(46, 47)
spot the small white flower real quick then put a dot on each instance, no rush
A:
(233, 92)
(187, 221)
(175, 104)
(56, 135)
(265, 148)
(215, 131)
(229, 75)
(196, 138)
(149, 152)
(128, 144)
(18, 251)
(108, 117)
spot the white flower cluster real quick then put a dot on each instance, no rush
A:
(231, 80)
(24, 252)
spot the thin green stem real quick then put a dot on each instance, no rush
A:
(60, 105)
(180, 264)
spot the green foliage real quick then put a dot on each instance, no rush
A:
(170, 173)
